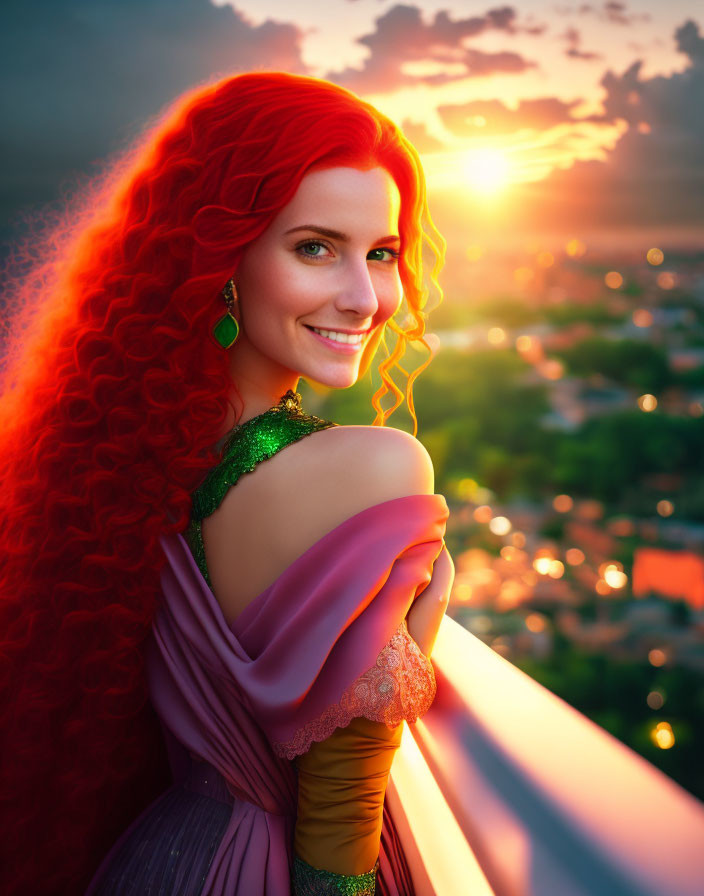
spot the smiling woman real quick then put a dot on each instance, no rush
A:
(212, 678)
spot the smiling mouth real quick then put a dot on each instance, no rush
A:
(339, 337)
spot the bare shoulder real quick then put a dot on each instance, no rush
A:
(359, 466)
(284, 506)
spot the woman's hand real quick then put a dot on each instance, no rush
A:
(424, 617)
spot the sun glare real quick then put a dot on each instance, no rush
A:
(487, 171)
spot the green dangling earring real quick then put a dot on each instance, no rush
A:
(226, 330)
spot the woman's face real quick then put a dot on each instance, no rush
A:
(329, 260)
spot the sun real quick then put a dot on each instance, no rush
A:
(487, 171)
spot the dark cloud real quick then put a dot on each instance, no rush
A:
(612, 11)
(493, 117)
(654, 174)
(401, 37)
(80, 78)
(618, 14)
(573, 39)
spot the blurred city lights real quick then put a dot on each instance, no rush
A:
(545, 259)
(655, 256)
(518, 540)
(610, 564)
(467, 488)
(602, 588)
(666, 280)
(665, 508)
(557, 569)
(530, 348)
(613, 280)
(562, 503)
(647, 402)
(496, 336)
(551, 369)
(500, 525)
(663, 736)
(474, 253)
(574, 556)
(535, 622)
(657, 657)
(575, 248)
(483, 513)
(615, 578)
(642, 317)
(542, 565)
(655, 699)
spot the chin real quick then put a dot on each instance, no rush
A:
(339, 380)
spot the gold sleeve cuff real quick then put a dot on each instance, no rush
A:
(341, 788)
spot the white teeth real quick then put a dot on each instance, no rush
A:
(340, 337)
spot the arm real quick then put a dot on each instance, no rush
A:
(341, 787)
(424, 617)
(342, 780)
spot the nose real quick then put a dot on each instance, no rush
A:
(357, 292)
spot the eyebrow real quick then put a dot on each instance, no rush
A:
(337, 235)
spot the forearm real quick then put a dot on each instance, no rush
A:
(341, 787)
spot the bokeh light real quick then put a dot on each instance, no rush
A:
(657, 657)
(483, 513)
(647, 402)
(496, 336)
(500, 525)
(655, 699)
(562, 503)
(665, 508)
(666, 280)
(574, 556)
(613, 280)
(535, 622)
(575, 248)
(655, 256)
(663, 735)
(642, 317)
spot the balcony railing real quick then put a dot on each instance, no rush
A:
(503, 788)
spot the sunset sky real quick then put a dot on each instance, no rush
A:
(566, 118)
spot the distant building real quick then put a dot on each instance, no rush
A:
(674, 574)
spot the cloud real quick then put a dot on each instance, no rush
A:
(573, 51)
(418, 134)
(612, 11)
(80, 78)
(402, 38)
(493, 117)
(654, 174)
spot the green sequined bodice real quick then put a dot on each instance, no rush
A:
(247, 446)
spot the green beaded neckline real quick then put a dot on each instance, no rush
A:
(248, 445)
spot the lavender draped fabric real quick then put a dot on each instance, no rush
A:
(232, 697)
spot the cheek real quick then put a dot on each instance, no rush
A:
(389, 294)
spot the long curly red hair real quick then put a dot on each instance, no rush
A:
(114, 392)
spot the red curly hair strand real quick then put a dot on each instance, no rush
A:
(114, 392)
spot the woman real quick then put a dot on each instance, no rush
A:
(283, 647)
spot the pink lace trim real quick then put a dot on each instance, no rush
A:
(400, 685)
